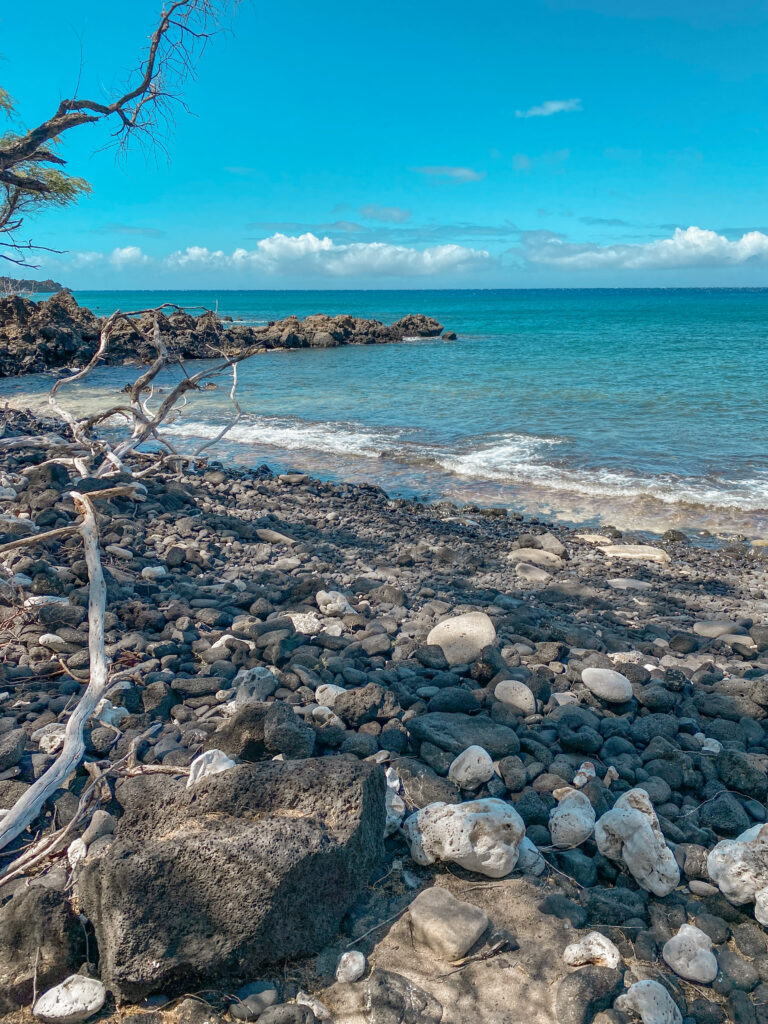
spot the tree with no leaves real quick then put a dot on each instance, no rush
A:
(31, 175)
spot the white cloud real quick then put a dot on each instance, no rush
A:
(127, 256)
(281, 254)
(387, 214)
(121, 257)
(550, 107)
(687, 247)
(457, 173)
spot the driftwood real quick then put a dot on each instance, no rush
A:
(29, 805)
(106, 460)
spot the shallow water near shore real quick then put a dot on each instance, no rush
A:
(641, 408)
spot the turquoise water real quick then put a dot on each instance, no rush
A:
(645, 408)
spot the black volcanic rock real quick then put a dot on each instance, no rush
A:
(36, 336)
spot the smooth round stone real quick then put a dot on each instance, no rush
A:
(713, 628)
(154, 572)
(516, 695)
(607, 685)
(627, 583)
(253, 1000)
(471, 768)
(737, 638)
(351, 966)
(689, 954)
(76, 998)
(532, 573)
(463, 637)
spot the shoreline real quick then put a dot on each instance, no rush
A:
(581, 460)
(427, 479)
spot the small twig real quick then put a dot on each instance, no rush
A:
(359, 938)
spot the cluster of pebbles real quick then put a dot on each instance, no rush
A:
(578, 718)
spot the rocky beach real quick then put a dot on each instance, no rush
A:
(383, 514)
(375, 761)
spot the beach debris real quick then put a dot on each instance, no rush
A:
(210, 763)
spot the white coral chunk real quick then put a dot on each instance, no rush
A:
(594, 948)
(630, 832)
(689, 954)
(572, 821)
(651, 1002)
(739, 868)
(480, 835)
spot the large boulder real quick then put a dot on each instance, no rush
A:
(416, 325)
(246, 868)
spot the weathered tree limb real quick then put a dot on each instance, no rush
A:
(235, 419)
(28, 806)
(38, 538)
(189, 383)
(181, 24)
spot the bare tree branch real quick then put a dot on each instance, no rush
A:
(29, 805)
(142, 111)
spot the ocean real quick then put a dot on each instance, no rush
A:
(644, 409)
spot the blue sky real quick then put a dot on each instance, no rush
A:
(531, 143)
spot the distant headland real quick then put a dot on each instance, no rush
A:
(17, 286)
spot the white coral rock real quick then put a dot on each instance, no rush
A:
(76, 998)
(210, 763)
(739, 868)
(585, 774)
(650, 1001)
(331, 602)
(471, 768)
(480, 835)
(572, 821)
(594, 948)
(326, 694)
(689, 954)
(630, 832)
(395, 805)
